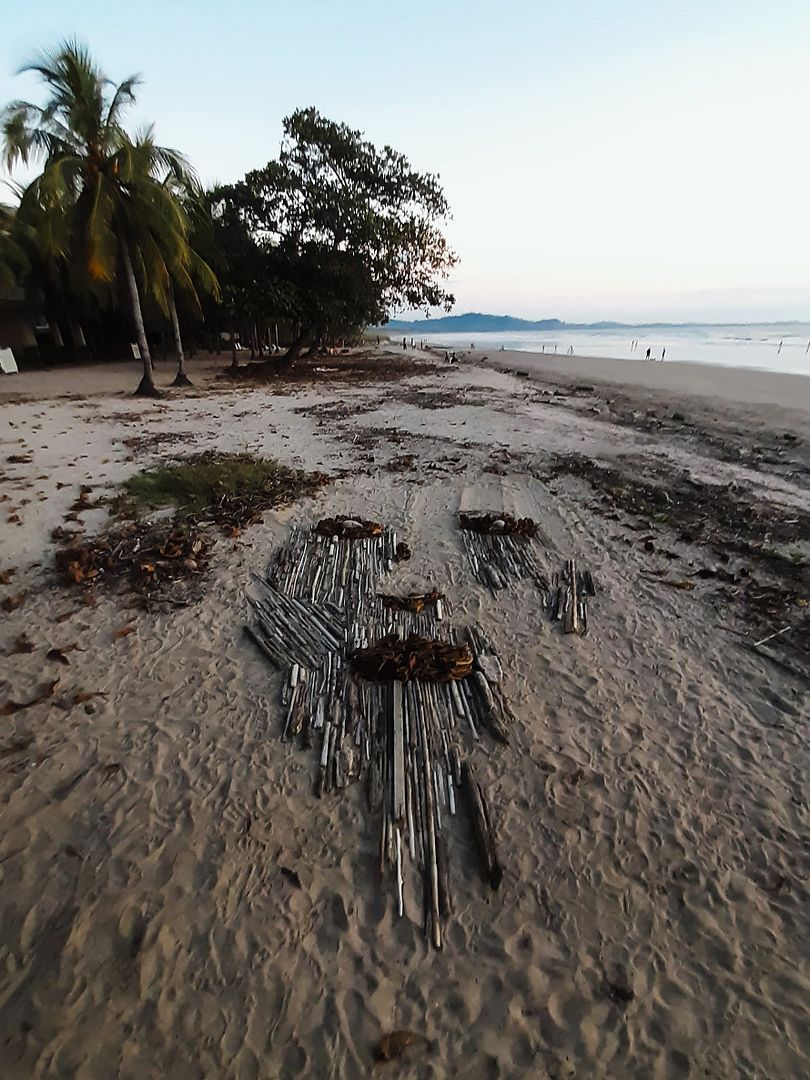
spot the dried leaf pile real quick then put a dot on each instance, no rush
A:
(498, 524)
(149, 559)
(414, 658)
(771, 588)
(414, 602)
(165, 559)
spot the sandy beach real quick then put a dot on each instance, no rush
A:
(651, 809)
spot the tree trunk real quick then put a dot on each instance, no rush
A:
(180, 379)
(146, 387)
(234, 360)
(294, 351)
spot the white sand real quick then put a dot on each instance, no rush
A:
(652, 810)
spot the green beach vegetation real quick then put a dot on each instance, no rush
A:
(115, 240)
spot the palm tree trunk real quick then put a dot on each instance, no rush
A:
(146, 387)
(294, 351)
(180, 379)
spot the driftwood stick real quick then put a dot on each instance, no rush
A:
(398, 810)
(572, 620)
(482, 827)
(445, 899)
(489, 711)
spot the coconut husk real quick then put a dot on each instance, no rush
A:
(402, 552)
(350, 528)
(415, 602)
(499, 524)
(144, 558)
(414, 658)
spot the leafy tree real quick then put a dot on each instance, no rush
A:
(14, 262)
(105, 203)
(355, 231)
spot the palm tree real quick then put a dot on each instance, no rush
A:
(115, 196)
(187, 270)
(14, 262)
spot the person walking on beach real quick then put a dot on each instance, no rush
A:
(404, 344)
(649, 352)
(663, 353)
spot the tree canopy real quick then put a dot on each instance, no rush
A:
(106, 205)
(333, 235)
(353, 232)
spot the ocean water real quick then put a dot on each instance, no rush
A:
(775, 347)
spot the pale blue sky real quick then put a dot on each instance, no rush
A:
(603, 158)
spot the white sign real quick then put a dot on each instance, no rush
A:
(8, 365)
(136, 352)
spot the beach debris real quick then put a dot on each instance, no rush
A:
(415, 602)
(727, 519)
(569, 602)
(151, 559)
(11, 603)
(390, 695)
(499, 549)
(348, 527)
(6, 576)
(122, 632)
(416, 657)
(482, 824)
(498, 524)
(80, 697)
(393, 1045)
(619, 992)
(770, 637)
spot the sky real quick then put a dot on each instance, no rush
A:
(603, 159)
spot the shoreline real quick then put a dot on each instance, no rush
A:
(688, 378)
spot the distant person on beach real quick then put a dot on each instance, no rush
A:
(649, 353)
(663, 353)
(404, 344)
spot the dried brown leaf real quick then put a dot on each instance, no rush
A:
(81, 696)
(395, 1043)
(123, 631)
(11, 603)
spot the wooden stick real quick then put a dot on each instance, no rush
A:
(770, 637)
(482, 827)
(398, 810)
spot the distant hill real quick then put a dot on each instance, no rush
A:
(474, 322)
